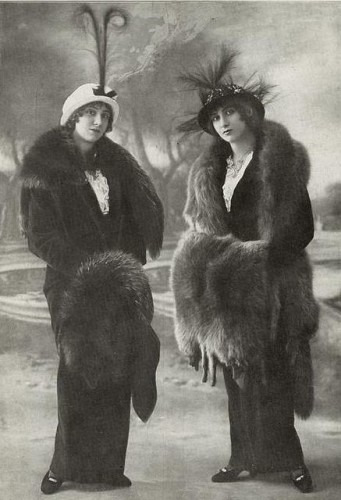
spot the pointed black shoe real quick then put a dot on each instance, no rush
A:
(227, 474)
(121, 481)
(301, 479)
(50, 484)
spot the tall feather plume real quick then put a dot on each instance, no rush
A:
(205, 78)
(213, 76)
(261, 90)
(210, 76)
(88, 21)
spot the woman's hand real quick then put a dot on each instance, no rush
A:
(194, 359)
(209, 366)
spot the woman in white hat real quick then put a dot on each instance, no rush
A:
(83, 195)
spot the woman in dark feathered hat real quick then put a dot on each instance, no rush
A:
(241, 278)
(85, 197)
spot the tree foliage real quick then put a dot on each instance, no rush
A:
(333, 199)
(44, 56)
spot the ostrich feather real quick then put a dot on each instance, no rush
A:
(89, 23)
(206, 78)
(214, 80)
(261, 90)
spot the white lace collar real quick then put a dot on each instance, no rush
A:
(233, 177)
(100, 187)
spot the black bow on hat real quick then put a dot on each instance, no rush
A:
(100, 91)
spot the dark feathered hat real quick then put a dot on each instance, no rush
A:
(215, 84)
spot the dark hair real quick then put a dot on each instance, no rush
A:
(243, 105)
(74, 118)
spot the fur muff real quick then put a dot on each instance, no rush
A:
(221, 298)
(230, 306)
(105, 331)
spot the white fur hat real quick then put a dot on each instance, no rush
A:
(89, 92)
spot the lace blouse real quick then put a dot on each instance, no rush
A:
(100, 187)
(233, 177)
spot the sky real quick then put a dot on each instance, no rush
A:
(297, 47)
(294, 45)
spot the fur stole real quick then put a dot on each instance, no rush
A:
(105, 331)
(283, 169)
(230, 307)
(54, 160)
(234, 296)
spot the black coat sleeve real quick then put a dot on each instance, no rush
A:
(145, 206)
(293, 223)
(295, 234)
(45, 234)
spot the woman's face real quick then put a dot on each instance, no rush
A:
(228, 123)
(93, 123)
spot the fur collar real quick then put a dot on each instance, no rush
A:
(275, 147)
(283, 169)
(54, 159)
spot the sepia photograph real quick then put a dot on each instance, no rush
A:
(170, 250)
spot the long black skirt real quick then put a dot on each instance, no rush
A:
(93, 424)
(92, 432)
(261, 418)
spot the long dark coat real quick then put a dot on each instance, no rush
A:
(243, 293)
(65, 227)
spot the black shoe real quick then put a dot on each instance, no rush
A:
(301, 479)
(253, 471)
(50, 484)
(121, 481)
(227, 474)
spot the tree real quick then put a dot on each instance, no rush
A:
(333, 199)
(43, 57)
(327, 209)
(10, 223)
(151, 116)
(30, 86)
(4, 182)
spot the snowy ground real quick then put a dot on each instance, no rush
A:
(173, 456)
